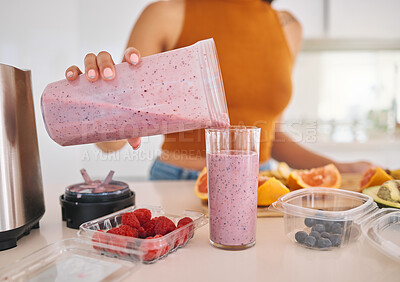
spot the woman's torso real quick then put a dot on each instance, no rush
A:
(256, 66)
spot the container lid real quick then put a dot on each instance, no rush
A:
(382, 230)
(69, 260)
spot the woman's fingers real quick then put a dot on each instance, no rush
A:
(132, 56)
(106, 65)
(91, 69)
(135, 143)
(102, 65)
(72, 73)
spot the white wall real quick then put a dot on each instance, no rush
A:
(46, 37)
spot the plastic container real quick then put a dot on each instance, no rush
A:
(70, 260)
(126, 248)
(339, 213)
(169, 92)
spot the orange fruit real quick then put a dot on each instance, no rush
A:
(270, 191)
(262, 179)
(200, 187)
(374, 176)
(326, 176)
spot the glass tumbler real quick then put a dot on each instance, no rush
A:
(232, 178)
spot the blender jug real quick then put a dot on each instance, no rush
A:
(21, 190)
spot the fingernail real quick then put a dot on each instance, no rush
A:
(108, 73)
(70, 74)
(91, 74)
(134, 59)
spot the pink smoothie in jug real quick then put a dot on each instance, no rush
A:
(169, 92)
(232, 183)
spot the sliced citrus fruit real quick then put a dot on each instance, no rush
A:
(262, 179)
(284, 170)
(200, 187)
(374, 176)
(326, 176)
(270, 191)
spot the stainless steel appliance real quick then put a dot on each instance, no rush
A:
(21, 191)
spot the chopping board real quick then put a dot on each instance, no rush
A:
(350, 181)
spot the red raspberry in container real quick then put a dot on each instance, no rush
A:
(164, 225)
(119, 242)
(116, 231)
(154, 247)
(184, 221)
(142, 233)
(129, 231)
(130, 219)
(184, 233)
(143, 215)
(148, 228)
(99, 237)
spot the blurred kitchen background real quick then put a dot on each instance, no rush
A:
(346, 80)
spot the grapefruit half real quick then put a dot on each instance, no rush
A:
(200, 187)
(374, 176)
(326, 176)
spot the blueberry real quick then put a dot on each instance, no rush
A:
(300, 236)
(325, 235)
(341, 223)
(309, 222)
(315, 234)
(328, 225)
(310, 241)
(336, 240)
(318, 227)
(324, 243)
(336, 228)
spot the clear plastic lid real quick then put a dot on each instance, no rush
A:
(69, 260)
(382, 230)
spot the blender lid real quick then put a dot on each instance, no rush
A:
(96, 190)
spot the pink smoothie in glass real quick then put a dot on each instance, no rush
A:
(164, 93)
(232, 195)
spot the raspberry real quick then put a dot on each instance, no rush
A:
(164, 225)
(99, 237)
(149, 228)
(116, 231)
(185, 233)
(184, 221)
(181, 237)
(142, 232)
(143, 215)
(154, 248)
(130, 219)
(119, 242)
(129, 231)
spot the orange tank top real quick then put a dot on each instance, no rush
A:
(256, 66)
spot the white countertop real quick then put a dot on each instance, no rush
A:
(273, 258)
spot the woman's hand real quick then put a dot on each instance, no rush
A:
(102, 66)
(355, 167)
